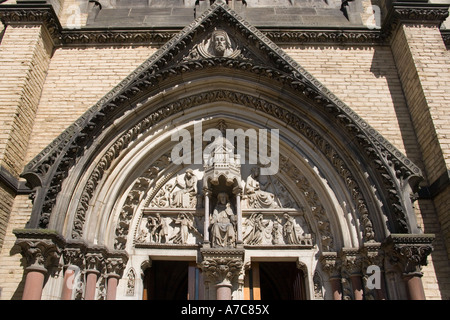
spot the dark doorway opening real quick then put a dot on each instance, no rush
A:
(166, 280)
(281, 281)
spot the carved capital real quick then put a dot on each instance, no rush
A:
(115, 264)
(41, 249)
(351, 261)
(372, 254)
(409, 251)
(95, 262)
(222, 266)
(330, 263)
(74, 254)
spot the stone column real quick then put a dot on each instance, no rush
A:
(408, 252)
(94, 263)
(222, 266)
(114, 267)
(41, 252)
(330, 265)
(207, 193)
(238, 193)
(373, 256)
(69, 275)
(351, 261)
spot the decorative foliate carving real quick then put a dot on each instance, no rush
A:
(318, 286)
(409, 252)
(222, 266)
(39, 254)
(330, 263)
(40, 250)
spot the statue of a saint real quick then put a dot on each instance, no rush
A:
(223, 223)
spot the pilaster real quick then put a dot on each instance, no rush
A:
(423, 64)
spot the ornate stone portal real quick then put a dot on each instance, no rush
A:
(220, 207)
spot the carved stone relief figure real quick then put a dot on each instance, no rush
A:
(217, 45)
(223, 223)
(186, 197)
(255, 192)
(186, 223)
(265, 230)
(131, 282)
(277, 230)
(177, 194)
(158, 229)
(290, 231)
(257, 229)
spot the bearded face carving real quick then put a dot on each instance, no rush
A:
(218, 45)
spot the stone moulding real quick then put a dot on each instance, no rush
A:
(44, 14)
(48, 169)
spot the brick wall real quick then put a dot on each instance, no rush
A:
(77, 78)
(11, 271)
(24, 59)
(6, 202)
(366, 79)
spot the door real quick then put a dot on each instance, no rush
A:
(274, 281)
(173, 280)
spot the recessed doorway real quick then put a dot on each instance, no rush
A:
(277, 280)
(166, 280)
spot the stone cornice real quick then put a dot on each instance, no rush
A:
(43, 14)
(419, 12)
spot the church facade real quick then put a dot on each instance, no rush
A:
(217, 150)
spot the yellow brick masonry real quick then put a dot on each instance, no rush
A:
(366, 78)
(77, 78)
(423, 64)
(24, 59)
